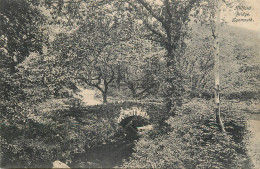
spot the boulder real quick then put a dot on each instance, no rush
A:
(59, 164)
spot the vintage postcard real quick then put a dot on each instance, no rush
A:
(130, 84)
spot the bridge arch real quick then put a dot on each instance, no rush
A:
(132, 112)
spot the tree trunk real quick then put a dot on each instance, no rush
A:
(132, 89)
(104, 97)
(168, 92)
(13, 64)
(104, 93)
(119, 78)
(216, 56)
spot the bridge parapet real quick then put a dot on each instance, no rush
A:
(133, 111)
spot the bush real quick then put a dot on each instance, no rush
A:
(53, 132)
(243, 95)
(194, 142)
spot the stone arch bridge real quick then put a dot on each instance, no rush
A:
(134, 118)
(133, 111)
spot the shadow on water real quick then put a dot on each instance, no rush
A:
(105, 155)
(112, 154)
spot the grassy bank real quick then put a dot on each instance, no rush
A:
(194, 141)
(56, 133)
(189, 140)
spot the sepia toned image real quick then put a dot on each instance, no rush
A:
(130, 84)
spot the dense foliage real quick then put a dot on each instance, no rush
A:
(193, 141)
(59, 133)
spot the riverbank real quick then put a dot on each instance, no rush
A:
(194, 140)
(89, 132)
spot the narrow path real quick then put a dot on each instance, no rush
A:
(89, 97)
(254, 148)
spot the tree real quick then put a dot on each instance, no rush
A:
(216, 53)
(99, 74)
(140, 80)
(95, 46)
(20, 30)
(210, 16)
(142, 74)
(198, 63)
(20, 34)
(166, 23)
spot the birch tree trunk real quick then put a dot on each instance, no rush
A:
(216, 68)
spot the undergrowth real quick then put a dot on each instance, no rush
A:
(194, 141)
(55, 133)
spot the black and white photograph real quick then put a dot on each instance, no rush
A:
(130, 84)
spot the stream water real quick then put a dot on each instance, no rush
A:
(111, 154)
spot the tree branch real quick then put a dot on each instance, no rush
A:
(155, 32)
(149, 9)
(168, 10)
(145, 90)
(213, 33)
(112, 76)
(97, 86)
